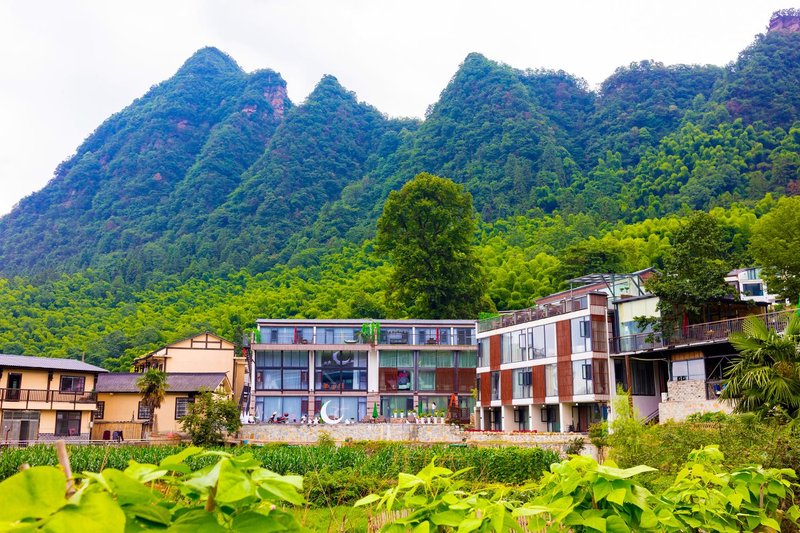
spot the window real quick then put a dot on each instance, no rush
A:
(293, 406)
(483, 352)
(581, 334)
(752, 289)
(100, 412)
(522, 382)
(144, 412)
(286, 335)
(281, 370)
(551, 380)
(350, 335)
(693, 369)
(346, 407)
(495, 385)
(182, 407)
(341, 370)
(542, 341)
(643, 378)
(505, 347)
(395, 336)
(753, 273)
(582, 377)
(68, 423)
(396, 370)
(72, 384)
(465, 336)
(467, 360)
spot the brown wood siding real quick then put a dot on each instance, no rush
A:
(494, 352)
(564, 370)
(466, 379)
(387, 379)
(600, 376)
(599, 334)
(539, 390)
(445, 380)
(506, 386)
(564, 360)
(486, 388)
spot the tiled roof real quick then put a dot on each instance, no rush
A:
(47, 363)
(176, 381)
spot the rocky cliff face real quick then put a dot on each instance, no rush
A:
(785, 20)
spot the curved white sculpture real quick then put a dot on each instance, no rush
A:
(323, 413)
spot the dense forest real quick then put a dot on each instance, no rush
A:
(213, 199)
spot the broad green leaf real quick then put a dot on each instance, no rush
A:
(447, 518)
(469, 524)
(196, 521)
(177, 459)
(152, 513)
(624, 473)
(601, 488)
(92, 511)
(366, 500)
(617, 496)
(422, 527)
(144, 472)
(126, 489)
(233, 485)
(255, 522)
(615, 524)
(33, 493)
(204, 479)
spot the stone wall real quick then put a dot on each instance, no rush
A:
(402, 432)
(684, 391)
(679, 411)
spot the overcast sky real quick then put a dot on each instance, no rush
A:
(65, 66)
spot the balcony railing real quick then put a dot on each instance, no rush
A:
(533, 313)
(704, 333)
(25, 397)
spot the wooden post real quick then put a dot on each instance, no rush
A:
(63, 460)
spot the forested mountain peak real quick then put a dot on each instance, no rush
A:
(209, 61)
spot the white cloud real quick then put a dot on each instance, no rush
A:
(67, 66)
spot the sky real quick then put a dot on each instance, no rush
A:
(67, 65)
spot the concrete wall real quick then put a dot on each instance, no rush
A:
(417, 433)
(679, 411)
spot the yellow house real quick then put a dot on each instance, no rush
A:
(121, 413)
(46, 398)
(205, 352)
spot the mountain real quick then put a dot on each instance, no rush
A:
(216, 169)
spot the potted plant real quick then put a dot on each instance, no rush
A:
(396, 413)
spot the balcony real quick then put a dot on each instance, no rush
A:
(705, 333)
(44, 399)
(534, 313)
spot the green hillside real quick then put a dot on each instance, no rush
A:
(213, 199)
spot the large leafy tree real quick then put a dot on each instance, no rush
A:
(153, 387)
(209, 418)
(427, 229)
(767, 375)
(775, 245)
(694, 271)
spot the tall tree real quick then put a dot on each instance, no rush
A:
(767, 374)
(153, 387)
(694, 271)
(775, 245)
(427, 229)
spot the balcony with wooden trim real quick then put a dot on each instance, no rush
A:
(37, 400)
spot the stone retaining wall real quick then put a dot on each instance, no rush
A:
(416, 433)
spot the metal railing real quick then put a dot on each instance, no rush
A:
(534, 313)
(17, 397)
(707, 332)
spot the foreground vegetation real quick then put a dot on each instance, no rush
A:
(236, 493)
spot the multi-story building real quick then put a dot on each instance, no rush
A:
(46, 398)
(360, 365)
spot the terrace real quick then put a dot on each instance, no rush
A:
(695, 334)
(513, 318)
(46, 399)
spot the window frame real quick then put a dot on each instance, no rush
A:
(186, 401)
(81, 380)
(66, 417)
(100, 410)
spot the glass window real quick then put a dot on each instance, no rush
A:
(292, 406)
(428, 336)
(752, 289)
(68, 423)
(72, 384)
(347, 335)
(693, 369)
(182, 407)
(392, 404)
(100, 412)
(581, 334)
(341, 370)
(495, 385)
(429, 404)
(543, 342)
(582, 377)
(347, 407)
(551, 380)
(506, 347)
(483, 352)
(522, 378)
(286, 335)
(395, 336)
(643, 378)
(467, 359)
(276, 370)
(144, 412)
(465, 336)
(427, 380)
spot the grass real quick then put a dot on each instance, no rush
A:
(333, 519)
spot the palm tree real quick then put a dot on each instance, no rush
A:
(153, 386)
(767, 374)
